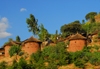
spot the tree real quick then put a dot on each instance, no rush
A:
(56, 37)
(14, 50)
(18, 38)
(43, 35)
(71, 28)
(91, 16)
(10, 39)
(83, 21)
(32, 24)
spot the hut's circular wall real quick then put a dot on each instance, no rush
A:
(7, 50)
(31, 47)
(76, 45)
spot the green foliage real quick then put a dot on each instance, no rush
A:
(95, 60)
(86, 49)
(25, 56)
(38, 60)
(10, 39)
(18, 38)
(32, 24)
(43, 35)
(71, 28)
(83, 21)
(79, 63)
(55, 38)
(52, 65)
(22, 63)
(3, 65)
(6, 43)
(14, 49)
(87, 56)
(91, 27)
(96, 47)
(55, 53)
(14, 65)
(68, 42)
(98, 34)
(36, 56)
(21, 53)
(88, 16)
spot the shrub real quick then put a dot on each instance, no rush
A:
(22, 63)
(25, 56)
(3, 65)
(67, 42)
(36, 56)
(57, 53)
(14, 49)
(98, 34)
(21, 53)
(95, 60)
(14, 65)
(86, 49)
(79, 63)
(87, 56)
(96, 47)
(52, 65)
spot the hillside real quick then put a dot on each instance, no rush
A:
(97, 18)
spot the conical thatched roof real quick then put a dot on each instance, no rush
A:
(11, 43)
(32, 39)
(96, 32)
(77, 36)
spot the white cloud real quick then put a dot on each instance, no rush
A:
(3, 27)
(23, 9)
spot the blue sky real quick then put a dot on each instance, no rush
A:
(52, 13)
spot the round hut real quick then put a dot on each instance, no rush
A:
(32, 45)
(77, 42)
(8, 45)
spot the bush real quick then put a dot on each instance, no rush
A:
(87, 56)
(79, 63)
(96, 47)
(52, 65)
(86, 49)
(25, 56)
(22, 63)
(14, 49)
(68, 42)
(95, 59)
(98, 34)
(3, 65)
(21, 53)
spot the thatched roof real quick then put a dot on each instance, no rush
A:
(1, 48)
(96, 32)
(32, 39)
(77, 36)
(11, 43)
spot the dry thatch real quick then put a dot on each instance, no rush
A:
(32, 39)
(77, 36)
(11, 43)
